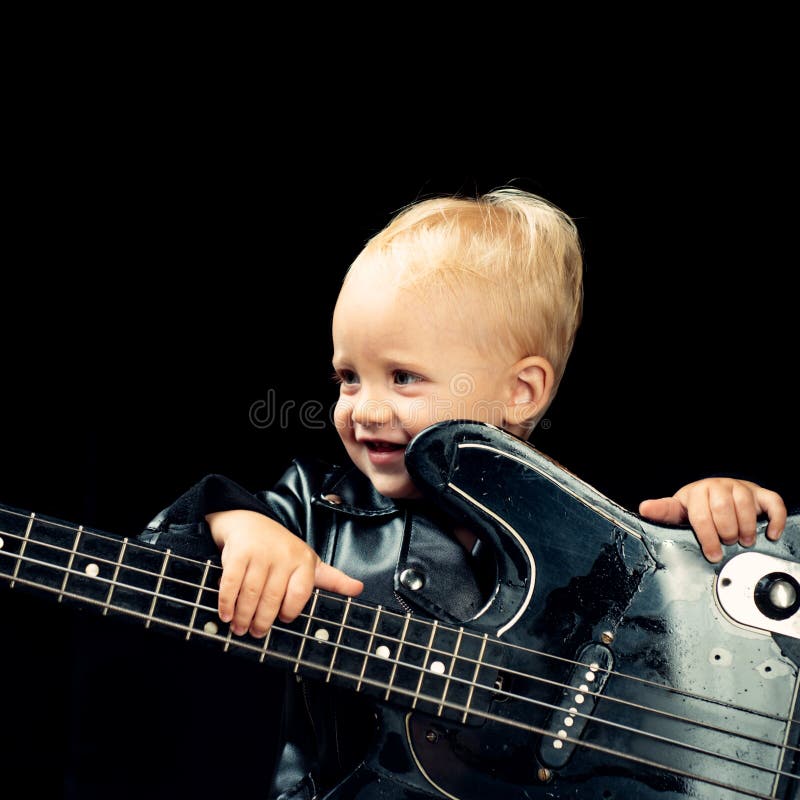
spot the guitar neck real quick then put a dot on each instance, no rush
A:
(411, 661)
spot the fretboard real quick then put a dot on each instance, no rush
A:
(401, 658)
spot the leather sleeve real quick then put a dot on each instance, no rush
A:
(312, 751)
(290, 500)
(182, 525)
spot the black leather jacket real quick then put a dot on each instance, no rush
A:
(402, 551)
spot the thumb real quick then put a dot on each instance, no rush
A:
(665, 509)
(334, 580)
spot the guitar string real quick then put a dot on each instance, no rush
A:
(571, 662)
(420, 621)
(450, 705)
(557, 684)
(440, 652)
(444, 653)
(423, 621)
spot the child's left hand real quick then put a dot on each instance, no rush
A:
(720, 510)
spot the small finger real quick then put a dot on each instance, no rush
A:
(745, 509)
(247, 600)
(269, 604)
(702, 522)
(232, 574)
(334, 580)
(298, 590)
(723, 512)
(663, 509)
(773, 506)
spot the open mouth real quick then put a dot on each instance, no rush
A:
(384, 447)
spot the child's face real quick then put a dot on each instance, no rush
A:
(404, 364)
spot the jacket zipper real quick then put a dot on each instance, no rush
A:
(403, 603)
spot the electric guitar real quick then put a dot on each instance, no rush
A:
(611, 660)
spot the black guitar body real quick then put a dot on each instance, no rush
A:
(686, 681)
(611, 661)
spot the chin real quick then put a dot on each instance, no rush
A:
(396, 489)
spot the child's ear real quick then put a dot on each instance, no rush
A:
(532, 386)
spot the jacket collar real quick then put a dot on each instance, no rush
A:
(348, 491)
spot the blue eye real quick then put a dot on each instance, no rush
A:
(346, 376)
(403, 378)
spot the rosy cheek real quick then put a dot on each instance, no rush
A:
(421, 412)
(342, 416)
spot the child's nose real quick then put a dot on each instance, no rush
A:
(372, 411)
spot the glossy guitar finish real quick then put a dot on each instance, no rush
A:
(577, 569)
(612, 660)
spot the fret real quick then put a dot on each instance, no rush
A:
(396, 657)
(69, 563)
(198, 599)
(342, 623)
(114, 577)
(434, 627)
(184, 595)
(89, 566)
(369, 646)
(478, 665)
(401, 642)
(117, 574)
(449, 673)
(393, 656)
(21, 553)
(157, 589)
(265, 646)
(305, 630)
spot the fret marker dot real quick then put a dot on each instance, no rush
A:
(562, 734)
(583, 687)
(322, 634)
(558, 744)
(573, 710)
(1, 542)
(211, 627)
(437, 667)
(589, 676)
(594, 666)
(579, 698)
(568, 721)
(383, 651)
(92, 570)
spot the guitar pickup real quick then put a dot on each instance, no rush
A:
(578, 702)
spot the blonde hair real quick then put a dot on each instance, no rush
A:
(520, 252)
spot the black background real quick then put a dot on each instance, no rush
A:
(151, 297)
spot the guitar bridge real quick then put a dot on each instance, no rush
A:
(577, 704)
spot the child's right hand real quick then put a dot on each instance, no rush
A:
(267, 572)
